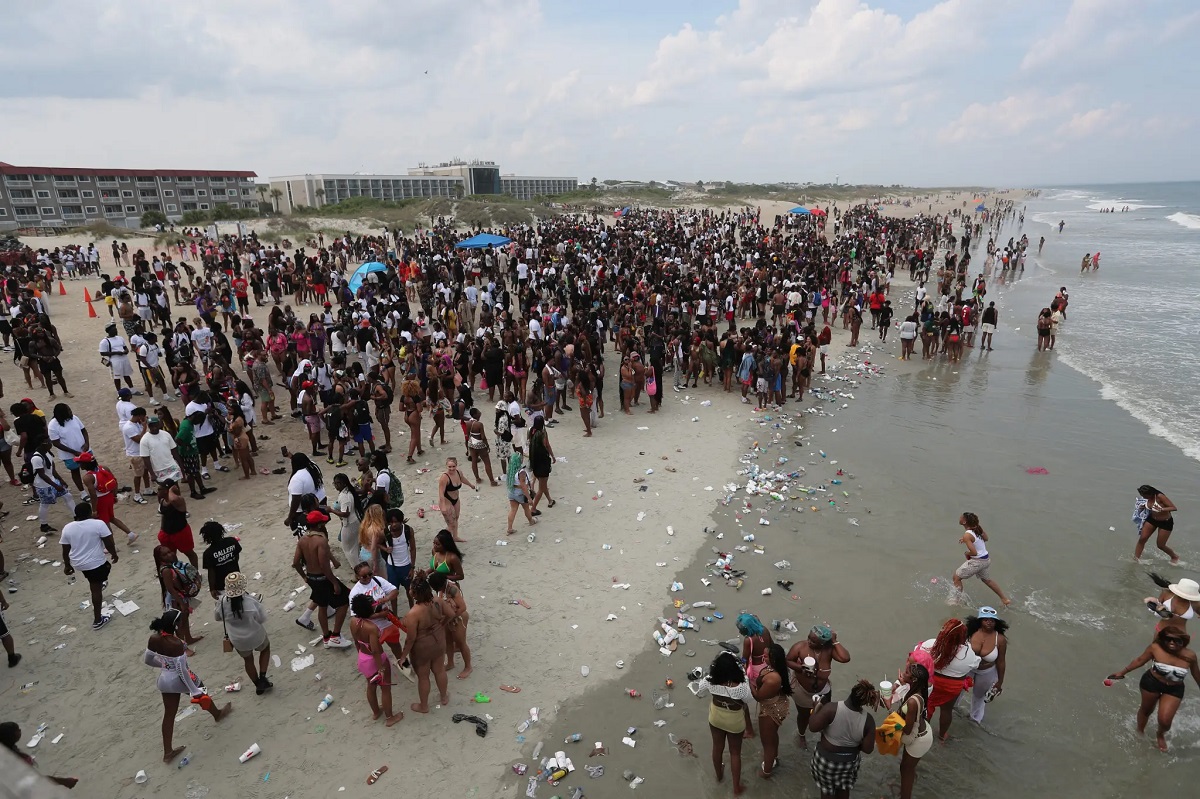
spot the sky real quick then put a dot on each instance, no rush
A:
(915, 92)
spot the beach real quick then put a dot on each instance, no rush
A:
(918, 442)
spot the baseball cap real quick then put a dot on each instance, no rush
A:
(316, 517)
(124, 393)
(87, 457)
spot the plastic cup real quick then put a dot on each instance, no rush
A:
(140, 778)
(885, 689)
(251, 752)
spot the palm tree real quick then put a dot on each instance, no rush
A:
(594, 181)
(262, 192)
(275, 195)
(320, 192)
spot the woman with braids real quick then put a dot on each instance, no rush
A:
(456, 627)
(918, 736)
(847, 731)
(1155, 508)
(772, 689)
(726, 682)
(987, 637)
(425, 643)
(953, 661)
(306, 479)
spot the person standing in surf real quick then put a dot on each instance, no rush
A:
(1158, 508)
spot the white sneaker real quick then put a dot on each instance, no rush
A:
(336, 642)
(170, 398)
(154, 401)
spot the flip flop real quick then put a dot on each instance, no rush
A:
(265, 472)
(524, 604)
(376, 774)
(512, 689)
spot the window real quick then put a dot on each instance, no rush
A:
(39, 178)
(47, 211)
(168, 193)
(131, 209)
(68, 194)
(84, 178)
(109, 194)
(112, 210)
(3, 213)
(144, 180)
(124, 178)
(25, 213)
(170, 207)
(151, 207)
(202, 192)
(184, 179)
(91, 209)
(203, 206)
(21, 194)
(72, 210)
(16, 178)
(235, 205)
(88, 194)
(164, 179)
(126, 193)
(189, 206)
(43, 194)
(245, 192)
(106, 179)
(217, 181)
(149, 194)
(187, 192)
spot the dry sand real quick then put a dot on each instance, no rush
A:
(88, 683)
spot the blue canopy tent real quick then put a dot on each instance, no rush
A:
(800, 209)
(356, 280)
(981, 207)
(478, 242)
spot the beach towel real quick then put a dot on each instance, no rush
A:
(888, 735)
(1140, 514)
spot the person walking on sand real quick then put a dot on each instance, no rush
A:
(315, 563)
(84, 542)
(978, 559)
(242, 618)
(1158, 509)
(167, 652)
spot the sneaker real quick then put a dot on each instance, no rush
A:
(103, 621)
(139, 499)
(155, 402)
(336, 642)
(259, 687)
(170, 398)
(14, 659)
(745, 400)
(309, 625)
(46, 528)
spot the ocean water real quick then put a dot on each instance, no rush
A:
(1135, 329)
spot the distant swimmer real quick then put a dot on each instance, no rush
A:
(1042, 242)
(1061, 225)
(1086, 264)
(1096, 262)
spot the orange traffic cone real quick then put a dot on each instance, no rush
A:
(88, 299)
(62, 289)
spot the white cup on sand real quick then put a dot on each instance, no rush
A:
(251, 752)
(140, 778)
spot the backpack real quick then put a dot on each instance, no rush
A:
(189, 577)
(26, 474)
(395, 490)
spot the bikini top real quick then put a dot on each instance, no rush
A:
(1187, 614)
(1172, 674)
(990, 657)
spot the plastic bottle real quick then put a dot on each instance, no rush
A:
(574, 738)
(325, 703)
(186, 759)
(537, 750)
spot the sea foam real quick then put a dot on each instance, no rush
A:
(1191, 221)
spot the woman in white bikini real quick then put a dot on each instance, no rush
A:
(1162, 684)
(986, 635)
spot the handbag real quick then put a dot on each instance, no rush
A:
(226, 645)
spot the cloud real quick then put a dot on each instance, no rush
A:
(763, 90)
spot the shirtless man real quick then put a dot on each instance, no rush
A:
(813, 680)
(315, 563)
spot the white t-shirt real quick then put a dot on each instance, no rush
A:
(150, 354)
(129, 429)
(45, 463)
(158, 447)
(535, 329)
(69, 434)
(124, 409)
(84, 538)
(302, 483)
(383, 481)
(964, 661)
(377, 589)
(202, 337)
(205, 428)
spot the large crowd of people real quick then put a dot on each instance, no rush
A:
(508, 341)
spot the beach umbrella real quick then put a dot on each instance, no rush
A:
(981, 207)
(801, 210)
(361, 273)
(817, 212)
(478, 242)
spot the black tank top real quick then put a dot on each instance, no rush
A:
(173, 519)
